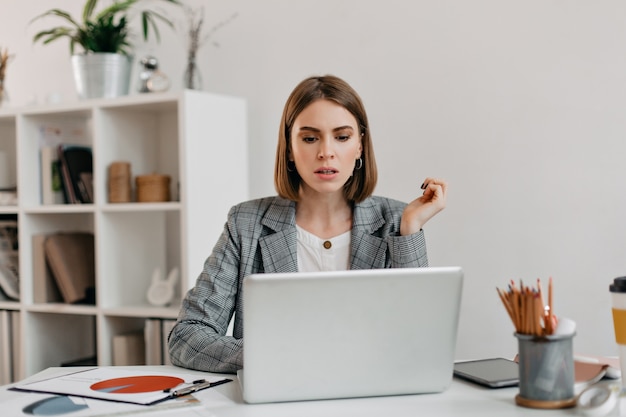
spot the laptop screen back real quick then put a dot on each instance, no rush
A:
(349, 333)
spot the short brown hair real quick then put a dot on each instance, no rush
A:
(286, 180)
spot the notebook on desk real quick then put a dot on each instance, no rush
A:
(345, 334)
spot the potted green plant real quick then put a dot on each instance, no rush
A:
(104, 66)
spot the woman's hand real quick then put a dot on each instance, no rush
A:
(423, 208)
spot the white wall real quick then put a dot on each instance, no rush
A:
(519, 104)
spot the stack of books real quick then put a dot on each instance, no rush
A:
(66, 174)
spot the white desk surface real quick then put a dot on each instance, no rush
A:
(461, 399)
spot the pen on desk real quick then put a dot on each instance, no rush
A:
(197, 381)
(197, 386)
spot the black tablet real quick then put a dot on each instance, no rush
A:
(492, 372)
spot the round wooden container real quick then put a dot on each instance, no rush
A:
(153, 188)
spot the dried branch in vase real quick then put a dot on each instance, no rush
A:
(5, 57)
(195, 39)
(4, 62)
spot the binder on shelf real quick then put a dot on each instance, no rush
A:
(51, 181)
(166, 327)
(156, 331)
(76, 171)
(45, 289)
(153, 338)
(16, 335)
(72, 262)
(129, 349)
(6, 362)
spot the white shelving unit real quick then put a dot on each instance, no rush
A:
(198, 139)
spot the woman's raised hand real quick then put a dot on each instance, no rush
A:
(423, 208)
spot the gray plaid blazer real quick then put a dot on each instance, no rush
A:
(260, 237)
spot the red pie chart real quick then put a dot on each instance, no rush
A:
(137, 384)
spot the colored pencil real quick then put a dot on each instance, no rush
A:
(527, 310)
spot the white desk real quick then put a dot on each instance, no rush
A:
(461, 399)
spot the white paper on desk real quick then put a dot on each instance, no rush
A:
(22, 404)
(113, 384)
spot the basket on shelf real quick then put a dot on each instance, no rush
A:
(153, 188)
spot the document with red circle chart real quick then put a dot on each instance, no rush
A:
(122, 385)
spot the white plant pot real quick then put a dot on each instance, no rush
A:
(101, 74)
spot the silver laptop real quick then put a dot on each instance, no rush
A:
(324, 335)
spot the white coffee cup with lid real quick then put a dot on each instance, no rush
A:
(618, 303)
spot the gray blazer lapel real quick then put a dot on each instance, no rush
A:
(278, 250)
(367, 251)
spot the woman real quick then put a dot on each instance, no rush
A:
(324, 218)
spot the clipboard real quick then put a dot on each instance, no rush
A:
(121, 385)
